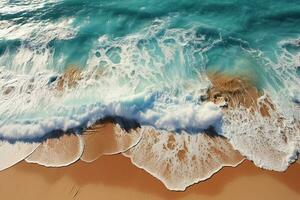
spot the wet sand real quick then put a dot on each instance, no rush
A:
(115, 177)
(180, 160)
(106, 139)
(70, 78)
(235, 91)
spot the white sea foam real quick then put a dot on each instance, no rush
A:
(6, 7)
(140, 88)
(37, 32)
(271, 143)
(201, 118)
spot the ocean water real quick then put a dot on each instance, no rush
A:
(149, 61)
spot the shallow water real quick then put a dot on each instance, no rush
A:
(148, 61)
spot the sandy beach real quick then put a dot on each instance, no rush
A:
(115, 177)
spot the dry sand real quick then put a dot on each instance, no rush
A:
(115, 177)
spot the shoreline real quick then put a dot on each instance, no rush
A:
(141, 174)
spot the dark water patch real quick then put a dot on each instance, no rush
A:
(212, 132)
(74, 50)
(9, 45)
(52, 79)
(284, 16)
(298, 70)
(124, 123)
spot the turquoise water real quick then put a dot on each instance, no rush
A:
(169, 44)
(255, 24)
(152, 58)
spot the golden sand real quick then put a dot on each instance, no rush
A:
(114, 177)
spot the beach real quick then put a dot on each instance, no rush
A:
(115, 177)
(152, 100)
